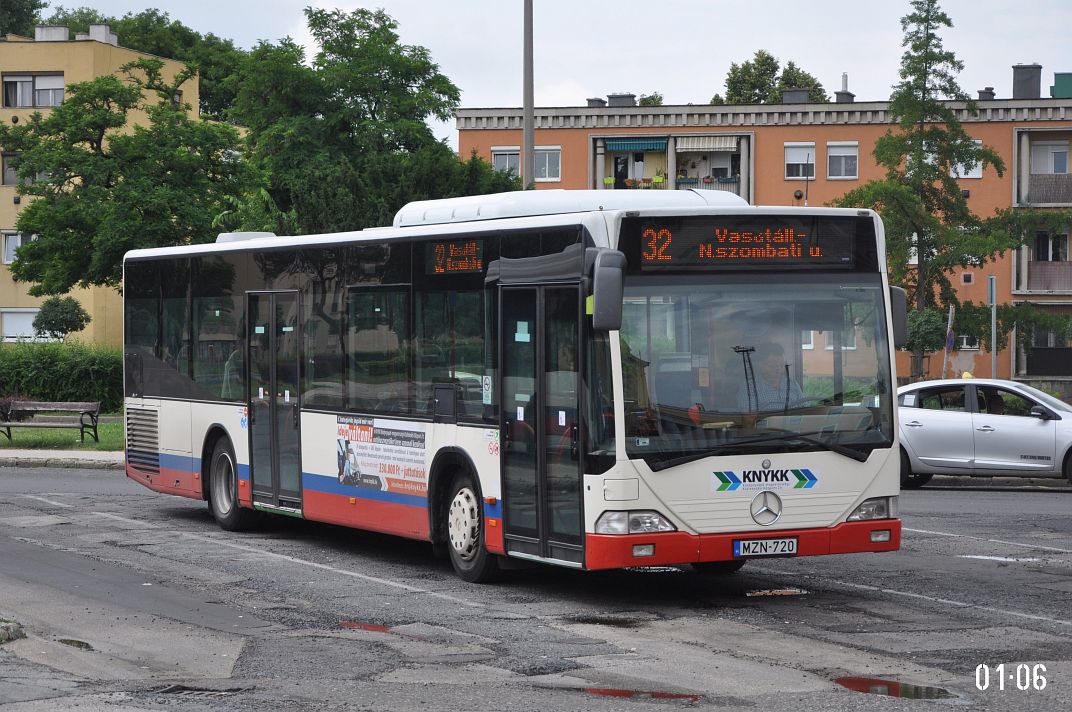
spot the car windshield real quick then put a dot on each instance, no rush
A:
(1046, 398)
(757, 363)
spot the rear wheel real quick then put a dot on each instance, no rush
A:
(223, 490)
(465, 532)
(909, 479)
(719, 568)
(1068, 467)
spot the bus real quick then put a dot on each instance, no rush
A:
(592, 379)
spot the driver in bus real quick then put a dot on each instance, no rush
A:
(775, 388)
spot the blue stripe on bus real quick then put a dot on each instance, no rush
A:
(181, 463)
(493, 510)
(329, 484)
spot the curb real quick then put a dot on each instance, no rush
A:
(952, 481)
(10, 630)
(62, 463)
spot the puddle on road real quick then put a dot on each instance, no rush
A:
(892, 688)
(642, 694)
(776, 592)
(358, 625)
(80, 644)
(609, 622)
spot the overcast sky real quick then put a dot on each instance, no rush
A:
(680, 48)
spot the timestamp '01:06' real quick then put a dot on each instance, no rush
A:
(1020, 677)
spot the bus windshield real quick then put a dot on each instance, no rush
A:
(757, 363)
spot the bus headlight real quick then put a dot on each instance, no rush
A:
(643, 521)
(875, 508)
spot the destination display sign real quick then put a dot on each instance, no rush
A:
(455, 257)
(696, 243)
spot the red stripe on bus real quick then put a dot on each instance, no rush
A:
(386, 517)
(168, 481)
(603, 551)
(493, 535)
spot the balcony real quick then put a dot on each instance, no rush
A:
(1049, 189)
(731, 184)
(1049, 276)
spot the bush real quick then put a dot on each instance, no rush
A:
(60, 316)
(63, 372)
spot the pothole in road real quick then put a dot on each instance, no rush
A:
(642, 694)
(200, 692)
(776, 592)
(892, 688)
(80, 644)
(602, 620)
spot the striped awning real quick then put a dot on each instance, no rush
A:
(706, 143)
(640, 143)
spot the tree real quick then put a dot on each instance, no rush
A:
(102, 187)
(60, 316)
(761, 80)
(19, 16)
(344, 138)
(653, 99)
(154, 32)
(927, 219)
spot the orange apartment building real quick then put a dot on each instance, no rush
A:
(798, 153)
(34, 72)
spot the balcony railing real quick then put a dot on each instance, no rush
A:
(1049, 276)
(1049, 188)
(732, 184)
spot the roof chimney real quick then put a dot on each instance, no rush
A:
(50, 33)
(986, 94)
(100, 33)
(621, 99)
(1026, 81)
(844, 96)
(794, 96)
(596, 102)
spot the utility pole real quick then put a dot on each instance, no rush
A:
(992, 297)
(528, 139)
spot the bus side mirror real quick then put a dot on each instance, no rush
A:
(608, 278)
(899, 314)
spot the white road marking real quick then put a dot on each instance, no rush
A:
(992, 541)
(295, 560)
(53, 502)
(994, 558)
(932, 599)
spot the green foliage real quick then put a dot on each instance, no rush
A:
(60, 316)
(1026, 319)
(653, 99)
(156, 33)
(343, 138)
(761, 80)
(108, 189)
(926, 330)
(62, 372)
(19, 16)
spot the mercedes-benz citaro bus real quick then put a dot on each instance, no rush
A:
(593, 379)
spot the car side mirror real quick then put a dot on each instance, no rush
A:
(1041, 412)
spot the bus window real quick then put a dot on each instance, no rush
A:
(377, 351)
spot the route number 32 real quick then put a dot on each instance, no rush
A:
(656, 242)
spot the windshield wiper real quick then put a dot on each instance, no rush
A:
(853, 453)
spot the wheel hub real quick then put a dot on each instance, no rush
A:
(463, 524)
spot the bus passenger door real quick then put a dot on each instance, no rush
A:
(274, 399)
(541, 467)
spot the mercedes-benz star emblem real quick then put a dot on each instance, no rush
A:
(766, 508)
(766, 464)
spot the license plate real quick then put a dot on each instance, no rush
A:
(764, 547)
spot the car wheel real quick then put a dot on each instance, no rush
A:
(465, 532)
(1068, 467)
(719, 568)
(909, 479)
(223, 490)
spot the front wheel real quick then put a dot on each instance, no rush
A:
(1068, 467)
(909, 479)
(465, 533)
(223, 490)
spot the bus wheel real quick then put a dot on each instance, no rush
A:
(909, 479)
(223, 489)
(465, 533)
(719, 568)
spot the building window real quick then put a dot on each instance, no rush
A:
(11, 242)
(967, 278)
(10, 175)
(1049, 340)
(807, 339)
(962, 171)
(1050, 248)
(1049, 157)
(848, 340)
(33, 90)
(799, 160)
(842, 160)
(17, 323)
(548, 161)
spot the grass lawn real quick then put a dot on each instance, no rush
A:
(27, 438)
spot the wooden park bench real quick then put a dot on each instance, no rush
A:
(88, 413)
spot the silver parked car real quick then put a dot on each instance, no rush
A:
(981, 426)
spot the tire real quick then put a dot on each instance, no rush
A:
(719, 568)
(1068, 467)
(464, 516)
(909, 479)
(223, 490)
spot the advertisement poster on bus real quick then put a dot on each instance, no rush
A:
(386, 455)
